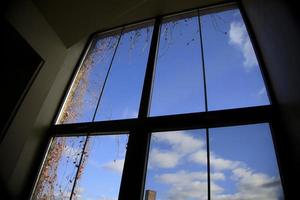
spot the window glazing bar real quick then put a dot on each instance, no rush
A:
(94, 115)
(203, 62)
(150, 70)
(107, 75)
(210, 119)
(133, 178)
(208, 165)
(206, 108)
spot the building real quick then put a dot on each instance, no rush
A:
(150, 195)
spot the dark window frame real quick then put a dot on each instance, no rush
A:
(140, 128)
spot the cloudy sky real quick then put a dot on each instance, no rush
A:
(242, 159)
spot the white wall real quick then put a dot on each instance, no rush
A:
(22, 142)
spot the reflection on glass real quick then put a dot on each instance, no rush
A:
(172, 172)
(122, 92)
(81, 102)
(178, 84)
(58, 173)
(232, 72)
(245, 157)
(102, 167)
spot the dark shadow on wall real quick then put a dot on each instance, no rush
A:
(19, 66)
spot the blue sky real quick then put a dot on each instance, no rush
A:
(123, 89)
(178, 84)
(243, 163)
(103, 170)
(232, 72)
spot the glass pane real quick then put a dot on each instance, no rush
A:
(245, 157)
(102, 167)
(122, 92)
(82, 99)
(233, 75)
(99, 174)
(58, 173)
(172, 174)
(178, 84)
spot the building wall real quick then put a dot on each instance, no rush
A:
(22, 143)
(277, 32)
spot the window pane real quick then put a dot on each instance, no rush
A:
(172, 174)
(99, 174)
(178, 84)
(233, 75)
(245, 157)
(102, 168)
(58, 173)
(81, 102)
(122, 92)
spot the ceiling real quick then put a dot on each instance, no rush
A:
(74, 19)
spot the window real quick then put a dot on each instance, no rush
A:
(74, 166)
(171, 108)
(242, 164)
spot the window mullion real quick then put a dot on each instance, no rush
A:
(78, 167)
(94, 115)
(132, 184)
(206, 109)
(211, 119)
(106, 77)
(208, 165)
(149, 76)
(203, 62)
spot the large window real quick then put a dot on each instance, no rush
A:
(171, 108)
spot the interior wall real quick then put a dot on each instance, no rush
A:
(73, 20)
(22, 143)
(277, 32)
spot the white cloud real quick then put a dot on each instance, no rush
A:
(219, 163)
(252, 185)
(216, 162)
(238, 37)
(178, 177)
(189, 185)
(249, 184)
(180, 145)
(217, 176)
(192, 185)
(215, 188)
(236, 33)
(115, 165)
(185, 185)
(180, 141)
(199, 157)
(167, 159)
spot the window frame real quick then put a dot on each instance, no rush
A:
(140, 128)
